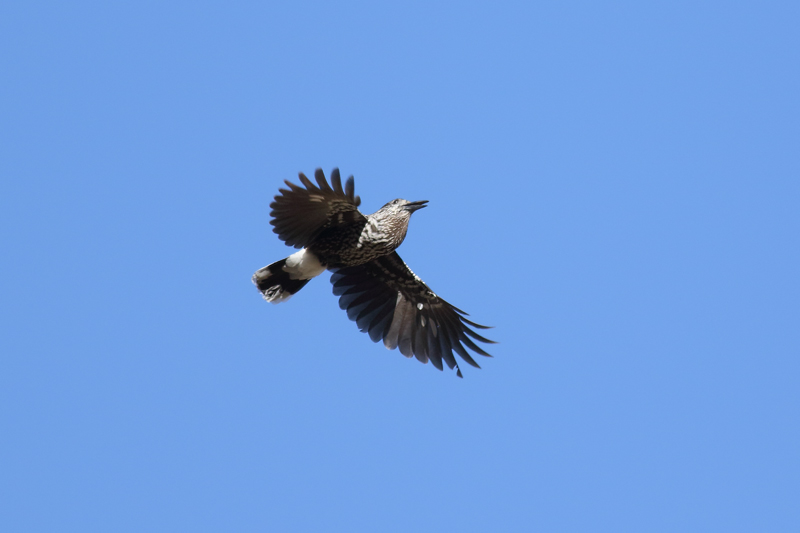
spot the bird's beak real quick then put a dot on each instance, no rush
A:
(413, 206)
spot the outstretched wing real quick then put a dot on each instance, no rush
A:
(391, 303)
(299, 214)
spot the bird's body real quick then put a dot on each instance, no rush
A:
(359, 242)
(375, 286)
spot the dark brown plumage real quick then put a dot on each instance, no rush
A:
(376, 288)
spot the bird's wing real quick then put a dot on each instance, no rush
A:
(299, 214)
(388, 301)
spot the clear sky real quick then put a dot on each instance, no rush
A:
(615, 188)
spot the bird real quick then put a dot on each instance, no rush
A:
(374, 285)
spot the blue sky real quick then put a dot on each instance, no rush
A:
(614, 187)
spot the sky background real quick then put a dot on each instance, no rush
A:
(615, 188)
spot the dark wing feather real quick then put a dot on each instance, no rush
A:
(392, 304)
(299, 214)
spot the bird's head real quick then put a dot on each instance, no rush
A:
(403, 208)
(394, 217)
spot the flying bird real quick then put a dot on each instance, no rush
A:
(376, 288)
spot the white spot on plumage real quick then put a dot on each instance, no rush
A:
(371, 233)
(276, 295)
(303, 265)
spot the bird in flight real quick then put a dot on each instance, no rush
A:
(376, 288)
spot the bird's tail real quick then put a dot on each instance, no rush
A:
(280, 280)
(276, 284)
